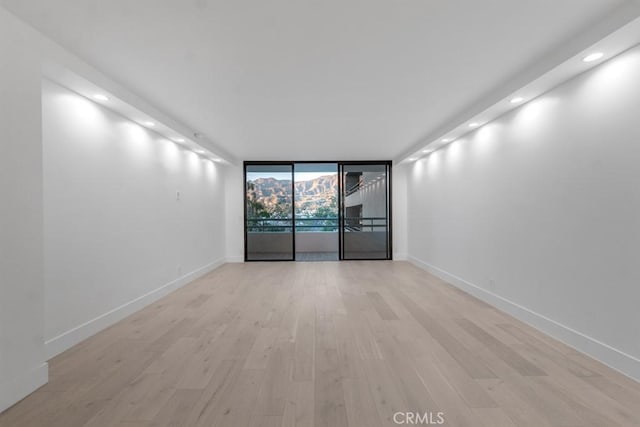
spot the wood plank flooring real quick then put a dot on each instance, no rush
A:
(324, 344)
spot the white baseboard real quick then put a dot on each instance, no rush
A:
(68, 339)
(614, 358)
(234, 259)
(401, 256)
(12, 391)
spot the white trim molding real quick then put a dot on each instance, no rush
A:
(604, 353)
(68, 339)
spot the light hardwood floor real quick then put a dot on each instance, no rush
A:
(324, 344)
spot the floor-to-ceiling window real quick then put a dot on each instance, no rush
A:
(312, 211)
(316, 206)
(365, 217)
(269, 213)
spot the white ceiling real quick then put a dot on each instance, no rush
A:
(313, 79)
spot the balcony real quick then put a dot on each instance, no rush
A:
(319, 235)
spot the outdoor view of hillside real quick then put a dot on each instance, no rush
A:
(316, 200)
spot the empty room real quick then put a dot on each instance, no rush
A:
(319, 213)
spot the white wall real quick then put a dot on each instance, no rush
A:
(105, 230)
(399, 213)
(115, 235)
(234, 211)
(539, 212)
(22, 358)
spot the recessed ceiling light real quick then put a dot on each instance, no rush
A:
(412, 159)
(180, 140)
(445, 140)
(100, 97)
(474, 124)
(425, 151)
(199, 151)
(516, 100)
(150, 124)
(593, 57)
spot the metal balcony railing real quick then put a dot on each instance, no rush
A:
(364, 223)
(314, 225)
(285, 225)
(354, 188)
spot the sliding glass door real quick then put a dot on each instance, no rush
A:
(316, 203)
(317, 211)
(269, 212)
(365, 210)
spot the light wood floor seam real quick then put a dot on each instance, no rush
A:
(324, 344)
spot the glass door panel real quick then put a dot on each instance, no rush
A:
(269, 212)
(316, 195)
(365, 211)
